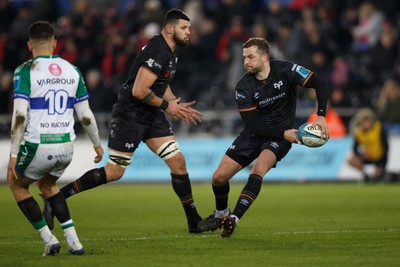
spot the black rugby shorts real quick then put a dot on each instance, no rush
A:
(247, 147)
(126, 131)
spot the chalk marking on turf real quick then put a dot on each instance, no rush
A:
(140, 238)
(338, 231)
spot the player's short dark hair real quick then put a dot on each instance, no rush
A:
(261, 44)
(41, 30)
(174, 15)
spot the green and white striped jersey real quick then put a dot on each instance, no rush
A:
(52, 86)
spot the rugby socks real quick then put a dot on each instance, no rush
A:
(30, 208)
(90, 179)
(69, 232)
(247, 196)
(59, 207)
(61, 211)
(183, 189)
(221, 196)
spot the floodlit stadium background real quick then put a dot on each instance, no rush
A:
(352, 44)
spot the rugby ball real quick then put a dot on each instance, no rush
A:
(310, 135)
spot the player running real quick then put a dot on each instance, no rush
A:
(138, 116)
(47, 90)
(266, 99)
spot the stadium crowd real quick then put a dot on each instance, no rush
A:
(353, 44)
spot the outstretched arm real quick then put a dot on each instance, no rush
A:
(141, 90)
(193, 116)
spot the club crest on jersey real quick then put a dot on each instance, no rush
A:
(278, 85)
(150, 62)
(55, 69)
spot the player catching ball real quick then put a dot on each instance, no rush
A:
(266, 99)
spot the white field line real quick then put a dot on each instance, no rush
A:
(213, 235)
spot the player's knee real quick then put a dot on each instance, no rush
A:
(219, 179)
(116, 165)
(168, 150)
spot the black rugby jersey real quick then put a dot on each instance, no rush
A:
(274, 98)
(158, 58)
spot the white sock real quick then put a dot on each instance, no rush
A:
(221, 213)
(45, 234)
(69, 232)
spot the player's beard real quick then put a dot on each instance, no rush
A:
(254, 70)
(180, 42)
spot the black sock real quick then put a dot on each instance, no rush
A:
(90, 179)
(183, 190)
(221, 195)
(248, 195)
(59, 207)
(30, 208)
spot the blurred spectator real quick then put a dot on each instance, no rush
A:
(384, 53)
(366, 32)
(7, 15)
(229, 51)
(6, 91)
(101, 98)
(370, 145)
(388, 106)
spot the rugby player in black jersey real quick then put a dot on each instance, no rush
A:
(266, 100)
(138, 116)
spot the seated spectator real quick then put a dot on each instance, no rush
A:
(370, 145)
(388, 104)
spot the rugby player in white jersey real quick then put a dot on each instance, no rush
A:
(47, 90)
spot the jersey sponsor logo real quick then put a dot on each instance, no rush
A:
(23, 156)
(60, 156)
(17, 83)
(55, 69)
(271, 99)
(43, 82)
(278, 85)
(232, 147)
(302, 71)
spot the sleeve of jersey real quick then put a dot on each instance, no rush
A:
(18, 123)
(22, 83)
(321, 89)
(251, 118)
(81, 93)
(88, 121)
(154, 63)
(306, 78)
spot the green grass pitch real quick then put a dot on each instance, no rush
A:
(288, 225)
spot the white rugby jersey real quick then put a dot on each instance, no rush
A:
(52, 86)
